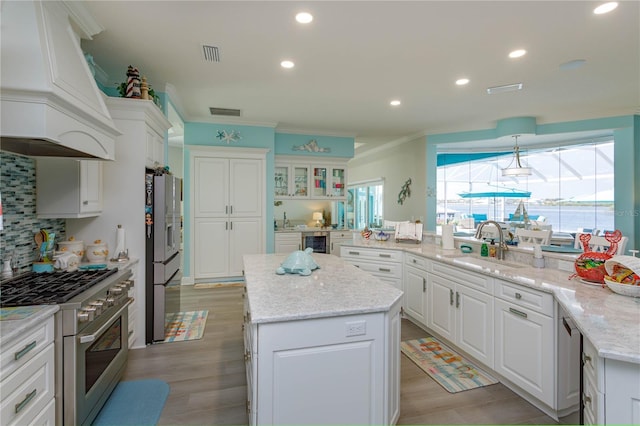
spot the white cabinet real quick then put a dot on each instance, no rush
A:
(306, 178)
(291, 181)
(68, 188)
(461, 310)
(287, 242)
(228, 210)
(154, 152)
(524, 336)
(415, 292)
(337, 238)
(611, 389)
(27, 377)
(355, 379)
(383, 264)
(568, 359)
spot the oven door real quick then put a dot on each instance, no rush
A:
(318, 241)
(94, 362)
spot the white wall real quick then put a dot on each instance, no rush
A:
(396, 163)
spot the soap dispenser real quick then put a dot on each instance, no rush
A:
(484, 250)
(492, 249)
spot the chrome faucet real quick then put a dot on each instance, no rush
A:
(502, 245)
(285, 222)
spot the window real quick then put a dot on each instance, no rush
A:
(571, 187)
(364, 204)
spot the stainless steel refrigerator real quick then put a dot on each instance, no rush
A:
(163, 195)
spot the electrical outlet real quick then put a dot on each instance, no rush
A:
(356, 328)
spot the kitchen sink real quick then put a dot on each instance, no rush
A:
(487, 263)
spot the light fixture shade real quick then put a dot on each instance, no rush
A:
(517, 171)
(317, 215)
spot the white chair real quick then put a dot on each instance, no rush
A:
(599, 244)
(529, 237)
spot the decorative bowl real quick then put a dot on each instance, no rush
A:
(381, 236)
(623, 289)
(590, 266)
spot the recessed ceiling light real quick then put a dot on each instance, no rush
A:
(287, 64)
(517, 53)
(462, 81)
(605, 7)
(394, 102)
(304, 17)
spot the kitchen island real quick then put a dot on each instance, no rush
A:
(323, 348)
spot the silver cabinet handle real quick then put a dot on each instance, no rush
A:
(85, 202)
(384, 255)
(231, 210)
(22, 352)
(518, 296)
(331, 246)
(414, 261)
(356, 253)
(231, 226)
(517, 312)
(226, 226)
(25, 401)
(384, 269)
(586, 399)
(451, 297)
(457, 299)
(424, 284)
(586, 358)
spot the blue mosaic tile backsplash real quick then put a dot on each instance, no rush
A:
(18, 191)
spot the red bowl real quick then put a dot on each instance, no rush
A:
(590, 266)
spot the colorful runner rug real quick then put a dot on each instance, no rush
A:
(446, 367)
(181, 326)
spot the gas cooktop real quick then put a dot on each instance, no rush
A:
(48, 288)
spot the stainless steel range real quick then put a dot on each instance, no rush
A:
(91, 337)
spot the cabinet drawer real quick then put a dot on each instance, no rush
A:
(593, 366)
(470, 279)
(363, 253)
(417, 261)
(24, 348)
(523, 296)
(341, 236)
(289, 237)
(380, 269)
(593, 401)
(26, 392)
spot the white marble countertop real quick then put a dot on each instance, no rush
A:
(610, 321)
(15, 321)
(336, 288)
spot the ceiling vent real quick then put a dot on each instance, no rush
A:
(210, 53)
(228, 112)
(506, 88)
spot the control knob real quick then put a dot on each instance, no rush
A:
(91, 312)
(98, 305)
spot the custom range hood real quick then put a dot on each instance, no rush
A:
(50, 102)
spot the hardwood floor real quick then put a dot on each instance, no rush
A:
(208, 384)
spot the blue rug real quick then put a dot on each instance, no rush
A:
(138, 402)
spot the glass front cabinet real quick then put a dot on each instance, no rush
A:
(313, 181)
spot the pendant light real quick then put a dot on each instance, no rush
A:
(516, 169)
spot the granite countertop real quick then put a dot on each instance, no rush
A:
(15, 321)
(336, 288)
(610, 321)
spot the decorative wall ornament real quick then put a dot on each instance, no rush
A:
(405, 191)
(311, 146)
(228, 137)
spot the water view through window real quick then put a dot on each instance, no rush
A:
(570, 189)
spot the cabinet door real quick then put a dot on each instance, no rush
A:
(300, 181)
(154, 149)
(524, 349)
(474, 323)
(281, 182)
(441, 313)
(246, 187)
(90, 186)
(319, 182)
(287, 243)
(245, 237)
(415, 293)
(211, 187)
(338, 183)
(211, 242)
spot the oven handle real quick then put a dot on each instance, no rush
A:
(87, 338)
